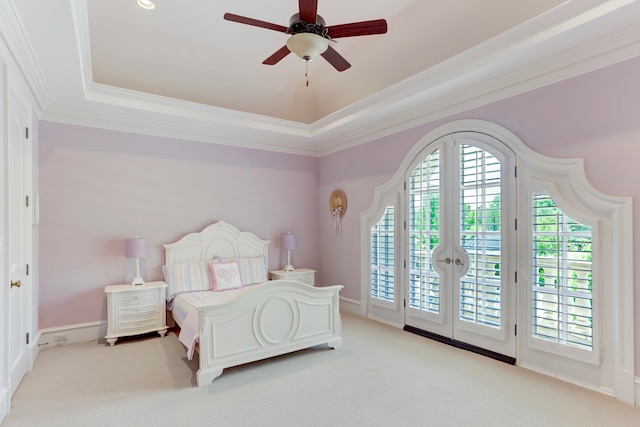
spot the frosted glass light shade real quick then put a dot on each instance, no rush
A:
(307, 45)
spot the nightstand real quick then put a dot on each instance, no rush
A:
(135, 310)
(304, 275)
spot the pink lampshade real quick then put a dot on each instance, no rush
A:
(136, 248)
(289, 242)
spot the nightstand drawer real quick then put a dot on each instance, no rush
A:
(135, 298)
(135, 323)
(141, 310)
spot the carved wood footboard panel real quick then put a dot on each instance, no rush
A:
(276, 318)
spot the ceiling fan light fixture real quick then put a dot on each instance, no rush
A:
(146, 4)
(307, 45)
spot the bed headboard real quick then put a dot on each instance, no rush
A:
(218, 239)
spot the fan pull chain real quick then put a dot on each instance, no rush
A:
(306, 71)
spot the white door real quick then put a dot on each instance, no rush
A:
(19, 170)
(460, 229)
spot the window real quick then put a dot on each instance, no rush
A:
(562, 277)
(382, 257)
(481, 184)
(424, 234)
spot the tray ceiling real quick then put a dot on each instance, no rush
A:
(182, 70)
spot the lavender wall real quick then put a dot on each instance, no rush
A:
(594, 116)
(99, 187)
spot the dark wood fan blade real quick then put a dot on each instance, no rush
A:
(277, 56)
(254, 22)
(364, 28)
(308, 10)
(335, 59)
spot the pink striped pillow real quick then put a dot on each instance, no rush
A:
(253, 270)
(186, 277)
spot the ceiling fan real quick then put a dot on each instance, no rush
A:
(310, 36)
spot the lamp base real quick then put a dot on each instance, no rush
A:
(288, 267)
(137, 281)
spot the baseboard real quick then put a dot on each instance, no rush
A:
(625, 385)
(350, 306)
(72, 334)
(33, 349)
(386, 322)
(4, 403)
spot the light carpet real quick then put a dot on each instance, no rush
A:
(382, 376)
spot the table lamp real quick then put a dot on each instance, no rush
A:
(136, 248)
(289, 244)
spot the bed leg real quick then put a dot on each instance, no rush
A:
(205, 378)
(335, 343)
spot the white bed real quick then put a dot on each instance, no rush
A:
(255, 322)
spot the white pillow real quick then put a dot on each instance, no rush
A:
(225, 275)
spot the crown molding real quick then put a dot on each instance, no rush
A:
(497, 70)
(17, 52)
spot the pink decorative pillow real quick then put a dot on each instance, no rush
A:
(225, 275)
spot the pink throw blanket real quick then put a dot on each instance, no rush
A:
(190, 332)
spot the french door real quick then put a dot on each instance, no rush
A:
(460, 234)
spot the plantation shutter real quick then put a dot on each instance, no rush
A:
(383, 257)
(562, 273)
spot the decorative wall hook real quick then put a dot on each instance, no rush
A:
(338, 207)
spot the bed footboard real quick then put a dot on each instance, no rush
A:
(277, 317)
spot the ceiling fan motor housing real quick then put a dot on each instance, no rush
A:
(296, 26)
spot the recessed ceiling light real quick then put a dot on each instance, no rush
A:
(146, 4)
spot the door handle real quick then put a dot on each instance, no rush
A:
(446, 260)
(17, 283)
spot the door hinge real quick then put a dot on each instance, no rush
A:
(26, 132)
(516, 276)
(405, 185)
(27, 268)
(26, 201)
(27, 338)
(515, 330)
(515, 171)
(404, 302)
(516, 223)
(404, 263)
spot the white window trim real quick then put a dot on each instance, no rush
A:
(388, 194)
(567, 175)
(577, 213)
